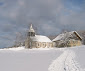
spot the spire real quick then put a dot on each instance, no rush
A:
(31, 29)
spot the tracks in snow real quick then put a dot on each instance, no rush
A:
(65, 62)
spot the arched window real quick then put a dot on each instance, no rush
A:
(44, 44)
(38, 44)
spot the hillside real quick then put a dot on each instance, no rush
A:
(42, 59)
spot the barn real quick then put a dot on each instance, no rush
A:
(67, 39)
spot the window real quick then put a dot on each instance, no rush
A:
(38, 44)
(44, 44)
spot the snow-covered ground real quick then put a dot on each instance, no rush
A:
(43, 59)
(65, 62)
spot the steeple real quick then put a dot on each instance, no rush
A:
(31, 31)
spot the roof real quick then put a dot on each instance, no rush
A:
(59, 37)
(40, 38)
(66, 35)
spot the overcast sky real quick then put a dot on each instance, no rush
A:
(50, 17)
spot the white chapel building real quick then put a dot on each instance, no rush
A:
(37, 41)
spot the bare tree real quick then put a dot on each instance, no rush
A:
(19, 39)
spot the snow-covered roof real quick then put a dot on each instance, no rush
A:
(40, 38)
(59, 37)
(66, 35)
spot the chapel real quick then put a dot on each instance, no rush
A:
(37, 41)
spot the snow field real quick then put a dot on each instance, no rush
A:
(27, 59)
(42, 59)
(65, 62)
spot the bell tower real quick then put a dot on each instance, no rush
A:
(31, 32)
